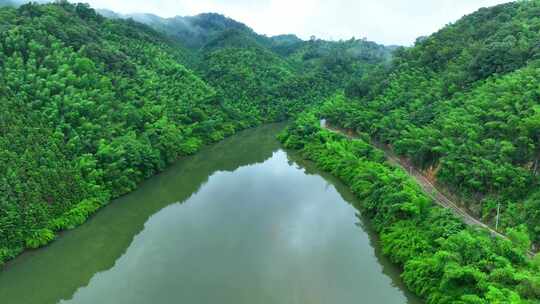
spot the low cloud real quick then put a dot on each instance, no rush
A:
(383, 21)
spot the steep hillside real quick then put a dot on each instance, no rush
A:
(328, 64)
(248, 75)
(193, 31)
(444, 261)
(463, 104)
(283, 73)
(248, 71)
(89, 108)
(339, 61)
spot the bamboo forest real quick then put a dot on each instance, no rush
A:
(194, 159)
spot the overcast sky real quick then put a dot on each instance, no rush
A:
(383, 21)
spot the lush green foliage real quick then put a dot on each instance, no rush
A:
(248, 68)
(89, 106)
(250, 76)
(443, 260)
(194, 32)
(340, 62)
(464, 104)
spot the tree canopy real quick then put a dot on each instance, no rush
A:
(463, 105)
(91, 106)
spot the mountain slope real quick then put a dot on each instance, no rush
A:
(247, 75)
(444, 261)
(283, 73)
(89, 108)
(193, 31)
(463, 104)
(336, 61)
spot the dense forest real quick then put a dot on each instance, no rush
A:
(91, 106)
(94, 102)
(443, 260)
(463, 104)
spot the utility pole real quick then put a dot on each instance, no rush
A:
(498, 212)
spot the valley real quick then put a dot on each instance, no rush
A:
(144, 159)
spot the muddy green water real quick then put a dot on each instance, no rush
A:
(243, 221)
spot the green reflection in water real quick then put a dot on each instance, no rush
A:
(240, 222)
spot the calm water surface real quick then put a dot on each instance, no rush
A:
(240, 222)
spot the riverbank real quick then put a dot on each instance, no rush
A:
(243, 212)
(100, 194)
(422, 180)
(444, 261)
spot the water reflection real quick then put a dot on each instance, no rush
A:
(268, 232)
(57, 271)
(388, 268)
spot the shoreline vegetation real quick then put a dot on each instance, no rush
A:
(443, 260)
(91, 106)
(431, 190)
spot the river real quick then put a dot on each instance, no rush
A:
(242, 221)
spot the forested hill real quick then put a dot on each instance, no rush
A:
(200, 31)
(464, 104)
(280, 72)
(193, 31)
(90, 106)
